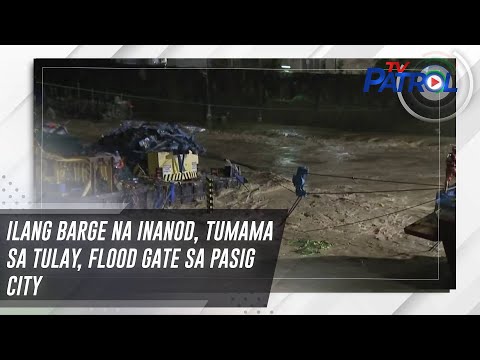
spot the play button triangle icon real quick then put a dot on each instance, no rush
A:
(433, 81)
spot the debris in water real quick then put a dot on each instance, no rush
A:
(134, 139)
(311, 247)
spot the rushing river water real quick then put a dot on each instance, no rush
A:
(371, 249)
(280, 149)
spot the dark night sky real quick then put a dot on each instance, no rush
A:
(325, 99)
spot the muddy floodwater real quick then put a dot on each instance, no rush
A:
(319, 241)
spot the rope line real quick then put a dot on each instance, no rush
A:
(257, 168)
(286, 188)
(295, 204)
(369, 192)
(369, 219)
(359, 192)
(370, 179)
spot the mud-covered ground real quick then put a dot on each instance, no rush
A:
(318, 242)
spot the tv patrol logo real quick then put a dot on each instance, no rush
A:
(397, 79)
